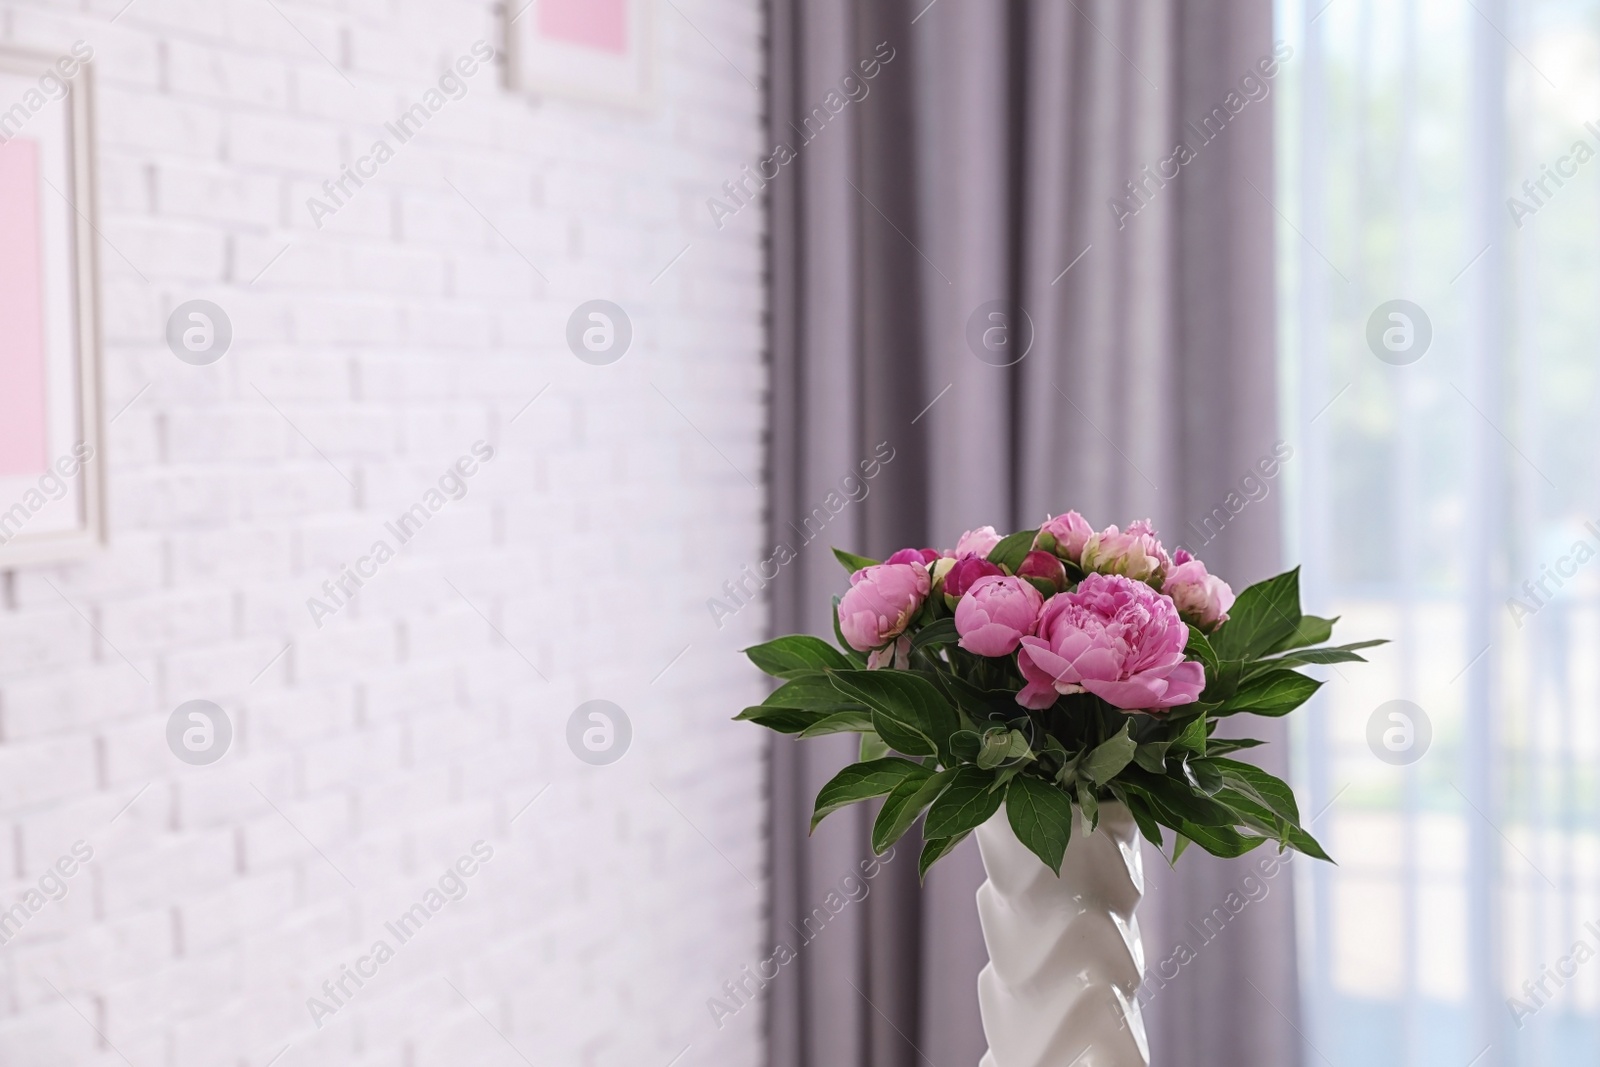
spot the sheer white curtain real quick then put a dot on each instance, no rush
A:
(1463, 923)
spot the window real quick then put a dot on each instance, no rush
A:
(1439, 250)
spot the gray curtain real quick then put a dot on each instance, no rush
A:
(978, 164)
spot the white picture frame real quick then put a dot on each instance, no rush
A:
(596, 51)
(56, 436)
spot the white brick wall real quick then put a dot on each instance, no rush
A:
(419, 719)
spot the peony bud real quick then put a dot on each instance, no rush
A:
(1064, 536)
(979, 542)
(1201, 597)
(880, 604)
(1133, 553)
(1045, 567)
(963, 573)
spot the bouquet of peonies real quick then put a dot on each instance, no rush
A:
(1051, 667)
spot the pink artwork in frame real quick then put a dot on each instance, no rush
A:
(23, 438)
(593, 51)
(598, 24)
(51, 488)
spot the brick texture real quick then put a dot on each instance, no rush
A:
(374, 746)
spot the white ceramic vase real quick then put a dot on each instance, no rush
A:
(1065, 960)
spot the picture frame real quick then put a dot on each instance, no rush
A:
(598, 51)
(52, 486)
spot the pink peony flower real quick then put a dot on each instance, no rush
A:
(1064, 535)
(979, 542)
(1133, 552)
(914, 555)
(1046, 566)
(996, 614)
(963, 573)
(1201, 597)
(880, 603)
(1116, 638)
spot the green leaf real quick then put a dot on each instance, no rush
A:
(968, 801)
(1301, 841)
(1019, 749)
(1047, 588)
(1152, 756)
(901, 739)
(1274, 693)
(978, 702)
(853, 562)
(872, 747)
(1162, 795)
(902, 806)
(1323, 655)
(907, 711)
(1143, 815)
(1069, 769)
(1011, 551)
(1193, 738)
(1252, 813)
(935, 850)
(1090, 805)
(811, 691)
(1311, 630)
(1204, 776)
(965, 746)
(1224, 683)
(1261, 818)
(1331, 654)
(1199, 649)
(1110, 757)
(1220, 746)
(862, 781)
(1263, 615)
(994, 748)
(1176, 803)
(1178, 846)
(939, 632)
(1001, 745)
(1041, 816)
(1221, 841)
(783, 720)
(854, 721)
(796, 654)
(1270, 790)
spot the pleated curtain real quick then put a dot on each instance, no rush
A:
(949, 163)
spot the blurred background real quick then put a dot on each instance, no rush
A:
(381, 357)
(409, 409)
(1440, 154)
